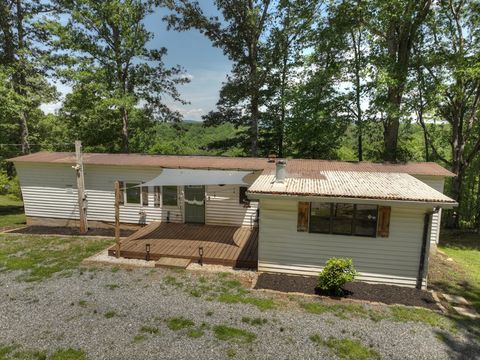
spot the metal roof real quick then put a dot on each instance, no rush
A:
(306, 168)
(348, 184)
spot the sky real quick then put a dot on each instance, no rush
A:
(207, 66)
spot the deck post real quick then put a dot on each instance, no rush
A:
(82, 199)
(117, 218)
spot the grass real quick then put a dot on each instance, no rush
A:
(110, 314)
(262, 304)
(425, 316)
(392, 313)
(344, 311)
(68, 354)
(254, 321)
(227, 333)
(40, 257)
(139, 338)
(149, 330)
(179, 323)
(347, 348)
(13, 352)
(11, 212)
(462, 276)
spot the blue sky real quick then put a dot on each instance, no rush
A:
(206, 65)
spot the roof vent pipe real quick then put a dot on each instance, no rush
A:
(280, 173)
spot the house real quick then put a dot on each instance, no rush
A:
(384, 216)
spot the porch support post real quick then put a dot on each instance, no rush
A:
(117, 218)
(82, 200)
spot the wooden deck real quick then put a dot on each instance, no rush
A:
(222, 245)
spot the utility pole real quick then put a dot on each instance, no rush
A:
(117, 218)
(82, 199)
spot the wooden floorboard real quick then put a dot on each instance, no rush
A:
(232, 246)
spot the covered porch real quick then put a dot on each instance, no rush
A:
(221, 245)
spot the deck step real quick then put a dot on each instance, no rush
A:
(171, 262)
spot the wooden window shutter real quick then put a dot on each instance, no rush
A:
(383, 229)
(302, 220)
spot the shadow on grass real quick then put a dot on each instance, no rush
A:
(460, 239)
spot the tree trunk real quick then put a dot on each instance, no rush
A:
(21, 78)
(478, 205)
(125, 137)
(254, 113)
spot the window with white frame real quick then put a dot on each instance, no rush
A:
(132, 194)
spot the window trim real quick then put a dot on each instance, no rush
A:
(331, 220)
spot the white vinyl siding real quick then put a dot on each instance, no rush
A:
(45, 195)
(223, 207)
(393, 260)
(50, 190)
(438, 184)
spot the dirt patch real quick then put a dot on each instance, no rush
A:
(64, 230)
(388, 294)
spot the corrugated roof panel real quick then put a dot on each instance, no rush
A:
(366, 185)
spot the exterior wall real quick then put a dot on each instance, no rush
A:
(438, 184)
(223, 207)
(392, 260)
(49, 191)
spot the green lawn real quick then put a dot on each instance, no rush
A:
(46, 255)
(462, 275)
(11, 213)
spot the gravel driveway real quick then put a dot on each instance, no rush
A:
(124, 314)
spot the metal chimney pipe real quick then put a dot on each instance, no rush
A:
(280, 173)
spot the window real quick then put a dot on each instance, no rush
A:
(156, 196)
(365, 220)
(242, 195)
(169, 197)
(320, 214)
(132, 194)
(343, 219)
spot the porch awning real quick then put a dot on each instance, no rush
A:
(198, 177)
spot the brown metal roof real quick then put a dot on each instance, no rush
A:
(348, 184)
(295, 167)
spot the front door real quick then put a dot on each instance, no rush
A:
(195, 204)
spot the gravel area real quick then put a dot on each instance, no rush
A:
(358, 290)
(101, 311)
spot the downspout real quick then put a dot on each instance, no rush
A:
(423, 253)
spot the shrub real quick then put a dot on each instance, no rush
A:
(9, 186)
(335, 274)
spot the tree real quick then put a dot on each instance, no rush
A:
(393, 27)
(22, 58)
(107, 56)
(289, 36)
(241, 34)
(451, 64)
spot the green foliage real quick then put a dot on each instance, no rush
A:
(228, 333)
(335, 274)
(347, 348)
(179, 323)
(69, 354)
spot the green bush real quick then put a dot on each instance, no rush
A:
(9, 186)
(4, 183)
(335, 274)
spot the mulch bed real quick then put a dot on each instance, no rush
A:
(387, 294)
(65, 230)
